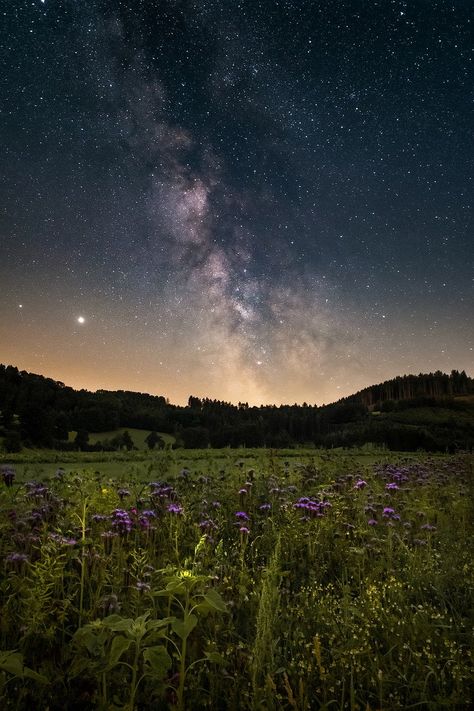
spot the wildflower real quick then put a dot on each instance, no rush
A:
(123, 493)
(207, 525)
(143, 587)
(244, 530)
(428, 527)
(392, 486)
(360, 484)
(419, 542)
(242, 516)
(372, 522)
(121, 521)
(16, 558)
(242, 491)
(63, 540)
(175, 509)
(265, 507)
(149, 513)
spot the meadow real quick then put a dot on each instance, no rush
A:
(236, 579)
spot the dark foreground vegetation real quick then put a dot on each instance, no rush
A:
(312, 581)
(434, 412)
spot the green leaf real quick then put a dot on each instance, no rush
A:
(153, 625)
(118, 624)
(30, 674)
(213, 598)
(117, 648)
(90, 639)
(12, 662)
(157, 660)
(215, 657)
(176, 587)
(183, 628)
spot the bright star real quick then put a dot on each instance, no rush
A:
(81, 319)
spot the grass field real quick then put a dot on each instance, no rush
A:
(138, 437)
(236, 579)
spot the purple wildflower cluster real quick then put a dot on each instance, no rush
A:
(175, 509)
(390, 513)
(311, 508)
(162, 494)
(123, 521)
(242, 517)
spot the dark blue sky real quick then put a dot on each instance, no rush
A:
(261, 201)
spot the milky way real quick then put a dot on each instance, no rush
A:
(259, 201)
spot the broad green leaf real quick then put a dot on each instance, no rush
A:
(89, 639)
(158, 661)
(183, 628)
(158, 624)
(176, 587)
(117, 648)
(213, 598)
(118, 624)
(12, 662)
(215, 657)
(30, 674)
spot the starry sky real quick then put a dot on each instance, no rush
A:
(250, 200)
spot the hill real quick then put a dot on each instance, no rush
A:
(433, 411)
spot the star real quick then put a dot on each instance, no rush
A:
(81, 320)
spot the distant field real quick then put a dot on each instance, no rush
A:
(138, 436)
(146, 465)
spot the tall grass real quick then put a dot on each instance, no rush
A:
(268, 582)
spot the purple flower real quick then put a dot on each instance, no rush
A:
(419, 542)
(16, 558)
(372, 522)
(242, 516)
(63, 540)
(143, 587)
(360, 484)
(149, 513)
(428, 527)
(207, 525)
(174, 509)
(265, 507)
(242, 491)
(392, 486)
(123, 493)
(244, 530)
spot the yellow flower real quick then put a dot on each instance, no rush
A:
(105, 491)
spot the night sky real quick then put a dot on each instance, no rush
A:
(256, 200)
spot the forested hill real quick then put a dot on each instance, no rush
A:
(431, 411)
(409, 387)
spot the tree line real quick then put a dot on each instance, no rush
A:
(40, 412)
